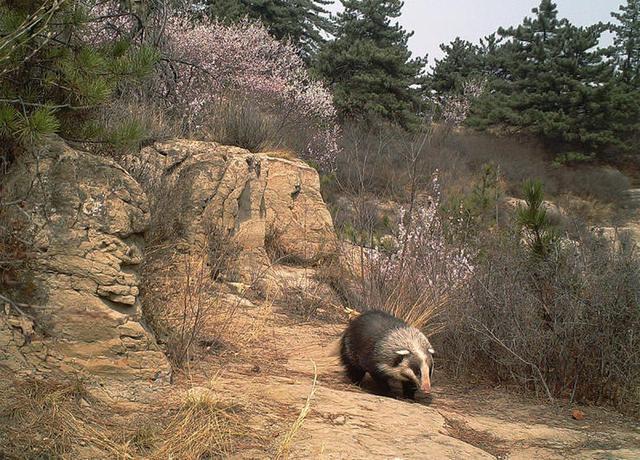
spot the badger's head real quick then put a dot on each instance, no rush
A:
(411, 356)
(416, 366)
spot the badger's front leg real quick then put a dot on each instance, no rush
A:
(409, 390)
(382, 382)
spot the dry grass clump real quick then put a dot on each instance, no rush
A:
(240, 122)
(422, 310)
(204, 426)
(57, 418)
(284, 153)
(307, 299)
(49, 419)
(274, 246)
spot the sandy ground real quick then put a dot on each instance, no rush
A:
(273, 371)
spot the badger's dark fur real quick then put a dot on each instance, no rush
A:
(388, 349)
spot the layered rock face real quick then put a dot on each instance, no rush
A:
(254, 198)
(86, 217)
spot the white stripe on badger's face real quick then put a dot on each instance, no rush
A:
(414, 351)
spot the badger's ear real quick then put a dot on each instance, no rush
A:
(403, 352)
(432, 351)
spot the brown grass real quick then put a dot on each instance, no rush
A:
(203, 427)
(420, 311)
(46, 419)
(284, 153)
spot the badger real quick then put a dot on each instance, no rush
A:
(387, 348)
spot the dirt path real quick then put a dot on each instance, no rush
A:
(276, 370)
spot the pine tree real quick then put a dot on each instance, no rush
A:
(461, 61)
(369, 65)
(52, 79)
(532, 218)
(626, 42)
(301, 21)
(551, 80)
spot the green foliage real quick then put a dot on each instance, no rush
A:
(301, 21)
(533, 220)
(626, 47)
(127, 135)
(8, 118)
(548, 77)
(485, 193)
(33, 127)
(369, 66)
(573, 158)
(55, 78)
(462, 60)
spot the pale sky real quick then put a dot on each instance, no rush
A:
(441, 21)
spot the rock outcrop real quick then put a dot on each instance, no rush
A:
(555, 213)
(257, 199)
(85, 217)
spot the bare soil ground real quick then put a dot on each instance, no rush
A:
(274, 370)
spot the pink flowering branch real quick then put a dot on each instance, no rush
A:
(208, 62)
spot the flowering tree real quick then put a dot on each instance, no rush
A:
(423, 251)
(212, 61)
(455, 107)
(205, 64)
(423, 264)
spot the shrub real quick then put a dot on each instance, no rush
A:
(181, 300)
(566, 326)
(237, 121)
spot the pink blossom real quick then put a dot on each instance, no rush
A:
(423, 252)
(212, 60)
(209, 62)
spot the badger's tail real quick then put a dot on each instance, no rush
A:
(333, 349)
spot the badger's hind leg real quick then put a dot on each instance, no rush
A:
(353, 371)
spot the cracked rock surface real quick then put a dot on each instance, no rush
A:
(252, 197)
(87, 217)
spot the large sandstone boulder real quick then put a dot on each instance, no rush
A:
(256, 199)
(86, 217)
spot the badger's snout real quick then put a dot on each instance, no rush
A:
(426, 385)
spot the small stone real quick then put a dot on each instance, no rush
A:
(577, 414)
(340, 420)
